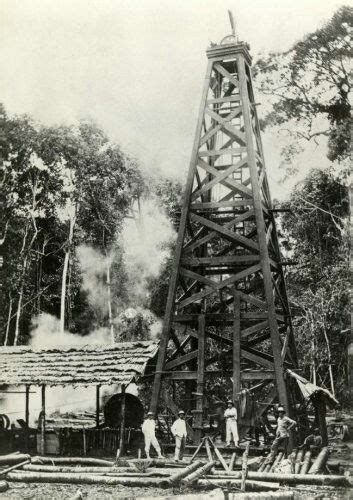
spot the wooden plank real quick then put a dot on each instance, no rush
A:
(226, 74)
(179, 246)
(255, 328)
(178, 375)
(221, 204)
(199, 277)
(230, 235)
(213, 130)
(208, 237)
(256, 358)
(220, 152)
(226, 127)
(222, 100)
(42, 422)
(220, 285)
(224, 259)
(229, 183)
(181, 360)
(220, 176)
(236, 347)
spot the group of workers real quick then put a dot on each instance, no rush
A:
(284, 426)
(179, 432)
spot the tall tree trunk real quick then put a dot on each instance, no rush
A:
(8, 321)
(65, 269)
(110, 315)
(19, 303)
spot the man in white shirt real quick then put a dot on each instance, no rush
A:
(284, 425)
(231, 424)
(179, 432)
(149, 432)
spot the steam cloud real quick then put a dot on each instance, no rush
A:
(146, 247)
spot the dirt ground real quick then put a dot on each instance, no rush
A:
(21, 491)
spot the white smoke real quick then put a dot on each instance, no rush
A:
(93, 267)
(45, 332)
(146, 242)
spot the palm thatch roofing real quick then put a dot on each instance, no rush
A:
(119, 363)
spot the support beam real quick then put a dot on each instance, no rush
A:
(122, 422)
(97, 406)
(179, 246)
(261, 230)
(27, 406)
(236, 347)
(42, 422)
(200, 378)
(27, 417)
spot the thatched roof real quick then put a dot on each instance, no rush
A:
(119, 363)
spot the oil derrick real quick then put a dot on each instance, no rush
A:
(227, 312)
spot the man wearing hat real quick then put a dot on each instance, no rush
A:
(179, 432)
(149, 433)
(284, 425)
(231, 424)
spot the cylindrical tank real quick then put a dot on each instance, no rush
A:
(134, 411)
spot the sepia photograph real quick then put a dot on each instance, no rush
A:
(176, 240)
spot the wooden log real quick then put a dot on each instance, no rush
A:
(208, 451)
(292, 458)
(194, 476)
(197, 450)
(72, 478)
(244, 467)
(291, 479)
(4, 486)
(42, 422)
(298, 461)
(320, 461)
(306, 463)
(232, 462)
(70, 460)
(122, 424)
(251, 485)
(269, 461)
(219, 455)
(178, 476)
(66, 468)
(14, 467)
(13, 458)
(276, 461)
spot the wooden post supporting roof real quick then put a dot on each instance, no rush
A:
(122, 422)
(42, 422)
(227, 250)
(97, 405)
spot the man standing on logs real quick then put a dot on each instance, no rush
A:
(149, 432)
(231, 424)
(284, 425)
(179, 432)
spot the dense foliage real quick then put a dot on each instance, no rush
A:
(307, 92)
(308, 87)
(64, 187)
(316, 238)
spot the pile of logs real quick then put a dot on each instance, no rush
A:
(168, 474)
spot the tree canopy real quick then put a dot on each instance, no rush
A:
(308, 87)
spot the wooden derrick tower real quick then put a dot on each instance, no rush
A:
(227, 312)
